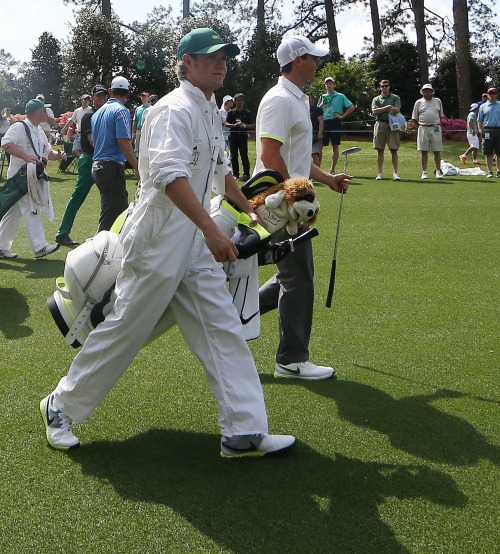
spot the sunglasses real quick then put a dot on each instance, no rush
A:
(384, 86)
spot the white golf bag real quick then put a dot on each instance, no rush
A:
(85, 295)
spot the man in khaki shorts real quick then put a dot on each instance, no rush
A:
(382, 106)
(428, 112)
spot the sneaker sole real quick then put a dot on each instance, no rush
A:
(293, 376)
(254, 453)
(43, 413)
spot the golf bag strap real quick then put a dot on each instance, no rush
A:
(79, 322)
(98, 265)
(28, 134)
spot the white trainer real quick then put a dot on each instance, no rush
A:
(255, 445)
(396, 177)
(46, 250)
(57, 427)
(439, 174)
(424, 175)
(379, 177)
(7, 254)
(304, 370)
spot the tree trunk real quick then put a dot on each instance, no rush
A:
(377, 33)
(331, 27)
(462, 55)
(106, 8)
(417, 7)
(261, 14)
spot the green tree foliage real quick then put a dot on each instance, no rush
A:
(398, 62)
(97, 51)
(6, 93)
(151, 49)
(258, 69)
(445, 83)
(45, 73)
(355, 79)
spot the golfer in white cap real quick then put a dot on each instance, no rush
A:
(284, 143)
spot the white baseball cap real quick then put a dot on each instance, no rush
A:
(426, 87)
(296, 46)
(120, 82)
(226, 99)
(474, 106)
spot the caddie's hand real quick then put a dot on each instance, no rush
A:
(221, 246)
(62, 155)
(31, 158)
(339, 182)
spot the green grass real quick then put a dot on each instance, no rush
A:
(399, 455)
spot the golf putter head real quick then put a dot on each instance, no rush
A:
(346, 153)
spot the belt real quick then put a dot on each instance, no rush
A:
(435, 125)
(109, 162)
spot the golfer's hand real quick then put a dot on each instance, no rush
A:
(221, 246)
(339, 182)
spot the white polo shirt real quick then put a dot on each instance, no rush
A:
(283, 115)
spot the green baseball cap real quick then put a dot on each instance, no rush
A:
(204, 41)
(33, 106)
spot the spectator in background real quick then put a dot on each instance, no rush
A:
(317, 122)
(5, 122)
(240, 121)
(76, 119)
(488, 120)
(152, 101)
(227, 104)
(50, 120)
(27, 144)
(84, 181)
(111, 128)
(472, 136)
(428, 112)
(382, 105)
(336, 107)
(137, 122)
(484, 98)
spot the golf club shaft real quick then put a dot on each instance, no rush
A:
(333, 271)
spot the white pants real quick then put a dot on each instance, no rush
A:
(10, 224)
(167, 264)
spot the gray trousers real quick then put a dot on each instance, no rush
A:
(291, 290)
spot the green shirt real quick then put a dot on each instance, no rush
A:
(383, 101)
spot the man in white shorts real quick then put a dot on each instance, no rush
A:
(428, 112)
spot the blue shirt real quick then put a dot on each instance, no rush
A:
(111, 122)
(489, 114)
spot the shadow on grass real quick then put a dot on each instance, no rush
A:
(35, 269)
(411, 423)
(301, 501)
(14, 312)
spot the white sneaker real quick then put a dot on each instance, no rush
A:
(7, 254)
(396, 177)
(379, 177)
(424, 175)
(490, 175)
(439, 174)
(304, 370)
(255, 445)
(46, 250)
(57, 427)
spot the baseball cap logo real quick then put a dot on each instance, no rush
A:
(299, 52)
(215, 37)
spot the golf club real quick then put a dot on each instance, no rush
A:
(333, 271)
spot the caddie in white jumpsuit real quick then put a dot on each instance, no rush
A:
(172, 254)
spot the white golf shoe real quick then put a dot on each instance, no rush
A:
(304, 370)
(255, 445)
